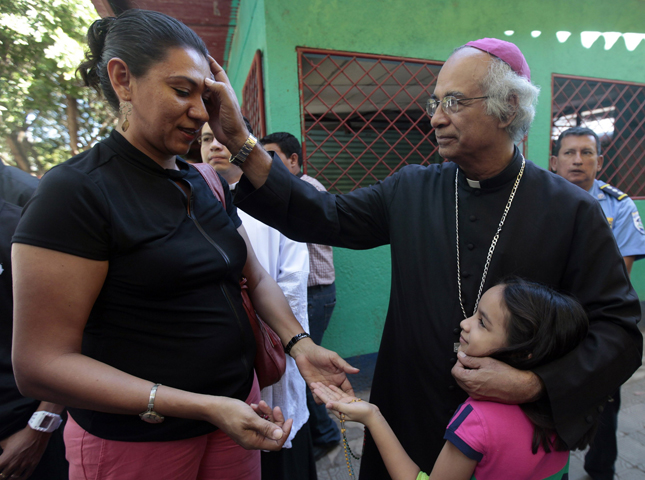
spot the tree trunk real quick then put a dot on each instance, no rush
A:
(18, 153)
(72, 123)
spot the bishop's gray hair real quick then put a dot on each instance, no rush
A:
(500, 85)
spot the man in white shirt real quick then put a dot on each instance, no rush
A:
(321, 289)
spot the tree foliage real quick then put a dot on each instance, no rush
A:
(46, 115)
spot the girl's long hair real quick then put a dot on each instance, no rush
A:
(543, 325)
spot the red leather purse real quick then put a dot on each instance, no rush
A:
(270, 360)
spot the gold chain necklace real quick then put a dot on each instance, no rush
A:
(493, 243)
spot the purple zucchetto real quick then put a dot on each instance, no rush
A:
(506, 51)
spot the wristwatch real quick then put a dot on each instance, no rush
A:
(45, 421)
(150, 415)
(239, 159)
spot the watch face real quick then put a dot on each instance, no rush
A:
(46, 421)
(151, 417)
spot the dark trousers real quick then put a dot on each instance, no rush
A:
(321, 300)
(295, 463)
(601, 457)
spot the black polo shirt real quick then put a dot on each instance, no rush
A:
(170, 309)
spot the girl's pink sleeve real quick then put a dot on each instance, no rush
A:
(467, 432)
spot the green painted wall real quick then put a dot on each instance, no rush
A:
(250, 36)
(430, 30)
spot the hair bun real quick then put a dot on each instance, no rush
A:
(97, 33)
(96, 36)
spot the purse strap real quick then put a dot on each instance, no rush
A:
(213, 180)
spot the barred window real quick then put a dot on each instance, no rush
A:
(253, 97)
(363, 116)
(614, 110)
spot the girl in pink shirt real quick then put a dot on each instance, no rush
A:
(525, 325)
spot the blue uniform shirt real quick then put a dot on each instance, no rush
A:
(623, 218)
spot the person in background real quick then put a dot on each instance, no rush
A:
(16, 186)
(321, 288)
(127, 297)
(288, 264)
(577, 157)
(31, 438)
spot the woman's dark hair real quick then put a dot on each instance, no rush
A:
(543, 325)
(140, 38)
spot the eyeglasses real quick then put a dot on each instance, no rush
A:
(449, 104)
(206, 139)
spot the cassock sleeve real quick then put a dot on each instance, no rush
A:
(579, 383)
(357, 220)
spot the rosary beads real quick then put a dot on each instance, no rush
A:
(347, 450)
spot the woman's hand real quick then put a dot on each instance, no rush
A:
(354, 409)
(225, 116)
(246, 427)
(317, 364)
(274, 415)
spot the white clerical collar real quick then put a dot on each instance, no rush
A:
(473, 183)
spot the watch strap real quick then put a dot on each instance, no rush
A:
(295, 340)
(43, 421)
(244, 152)
(150, 416)
(153, 394)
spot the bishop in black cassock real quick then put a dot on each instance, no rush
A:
(554, 233)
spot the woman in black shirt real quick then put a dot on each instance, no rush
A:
(127, 268)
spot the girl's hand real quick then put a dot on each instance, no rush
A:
(225, 116)
(353, 408)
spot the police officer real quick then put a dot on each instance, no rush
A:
(577, 158)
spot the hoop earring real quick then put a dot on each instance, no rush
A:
(125, 109)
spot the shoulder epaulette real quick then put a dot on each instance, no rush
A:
(613, 191)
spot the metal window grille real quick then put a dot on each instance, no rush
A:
(253, 97)
(363, 116)
(615, 111)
